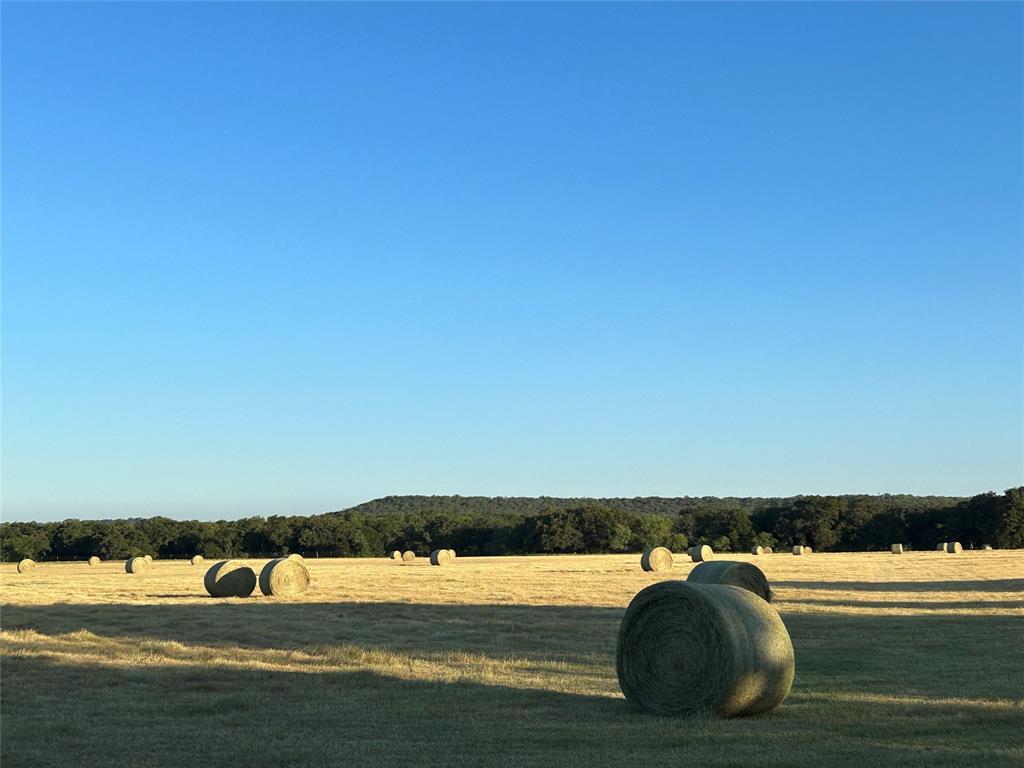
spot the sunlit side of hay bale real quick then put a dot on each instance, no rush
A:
(136, 565)
(688, 648)
(656, 559)
(94, 561)
(896, 549)
(27, 565)
(734, 573)
(701, 553)
(757, 550)
(954, 548)
(284, 578)
(440, 557)
(395, 555)
(197, 560)
(408, 556)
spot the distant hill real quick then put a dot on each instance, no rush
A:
(646, 505)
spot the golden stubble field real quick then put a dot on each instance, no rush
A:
(914, 659)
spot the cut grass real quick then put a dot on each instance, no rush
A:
(499, 662)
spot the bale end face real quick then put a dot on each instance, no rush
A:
(687, 648)
(408, 556)
(94, 561)
(230, 578)
(757, 550)
(284, 578)
(440, 557)
(769, 551)
(197, 560)
(28, 565)
(656, 559)
(396, 555)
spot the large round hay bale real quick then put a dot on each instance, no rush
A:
(197, 559)
(688, 648)
(954, 548)
(26, 566)
(440, 557)
(94, 561)
(701, 554)
(136, 565)
(296, 556)
(149, 559)
(769, 551)
(230, 578)
(656, 559)
(735, 573)
(896, 549)
(408, 556)
(396, 555)
(757, 550)
(284, 577)
(798, 549)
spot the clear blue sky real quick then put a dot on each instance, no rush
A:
(283, 258)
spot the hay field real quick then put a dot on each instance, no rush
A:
(914, 659)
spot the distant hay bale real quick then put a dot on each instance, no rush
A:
(452, 553)
(94, 561)
(27, 565)
(701, 554)
(149, 559)
(284, 577)
(769, 551)
(408, 556)
(197, 560)
(136, 565)
(798, 550)
(987, 548)
(295, 556)
(396, 555)
(954, 548)
(735, 573)
(757, 550)
(688, 648)
(656, 559)
(896, 549)
(808, 551)
(440, 557)
(941, 547)
(230, 578)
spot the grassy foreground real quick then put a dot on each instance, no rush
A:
(901, 660)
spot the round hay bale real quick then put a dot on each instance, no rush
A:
(701, 554)
(896, 549)
(94, 561)
(440, 557)
(296, 556)
(808, 551)
(149, 559)
(954, 548)
(452, 553)
(798, 550)
(136, 565)
(396, 555)
(408, 556)
(284, 577)
(987, 548)
(757, 550)
(656, 559)
(230, 578)
(735, 573)
(941, 547)
(688, 648)
(197, 560)
(27, 565)
(769, 551)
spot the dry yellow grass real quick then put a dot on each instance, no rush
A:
(500, 661)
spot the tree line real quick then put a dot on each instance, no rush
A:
(502, 526)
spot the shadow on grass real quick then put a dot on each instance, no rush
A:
(990, 585)
(178, 715)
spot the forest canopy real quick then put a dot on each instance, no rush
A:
(519, 525)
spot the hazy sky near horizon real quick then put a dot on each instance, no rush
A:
(282, 258)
